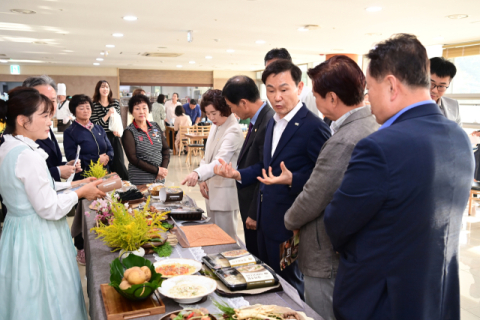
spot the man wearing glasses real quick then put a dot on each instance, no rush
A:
(442, 72)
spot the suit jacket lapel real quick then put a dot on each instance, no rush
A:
(290, 130)
(218, 134)
(267, 146)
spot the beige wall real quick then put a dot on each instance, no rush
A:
(166, 78)
(221, 77)
(77, 79)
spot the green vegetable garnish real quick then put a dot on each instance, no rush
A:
(228, 312)
(167, 225)
(165, 250)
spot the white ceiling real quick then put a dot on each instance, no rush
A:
(77, 31)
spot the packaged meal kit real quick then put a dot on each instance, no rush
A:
(234, 258)
(169, 194)
(247, 277)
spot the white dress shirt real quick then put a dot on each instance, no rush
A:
(281, 124)
(32, 171)
(170, 110)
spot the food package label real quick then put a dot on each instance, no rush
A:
(242, 261)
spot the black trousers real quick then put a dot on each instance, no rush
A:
(118, 165)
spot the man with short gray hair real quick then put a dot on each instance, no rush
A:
(58, 169)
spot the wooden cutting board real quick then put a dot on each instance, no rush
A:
(119, 308)
(203, 235)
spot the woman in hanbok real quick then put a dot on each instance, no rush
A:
(39, 276)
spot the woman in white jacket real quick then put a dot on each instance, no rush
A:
(224, 141)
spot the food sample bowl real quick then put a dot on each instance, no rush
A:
(176, 266)
(192, 288)
(155, 188)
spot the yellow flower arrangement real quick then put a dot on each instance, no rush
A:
(129, 231)
(96, 170)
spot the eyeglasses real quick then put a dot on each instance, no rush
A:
(439, 88)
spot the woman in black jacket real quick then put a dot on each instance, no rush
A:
(91, 138)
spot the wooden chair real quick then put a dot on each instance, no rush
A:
(475, 190)
(196, 146)
(184, 141)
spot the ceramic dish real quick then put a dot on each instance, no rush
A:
(187, 289)
(177, 267)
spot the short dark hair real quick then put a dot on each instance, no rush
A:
(214, 97)
(161, 98)
(240, 87)
(341, 75)
(280, 66)
(96, 94)
(442, 67)
(176, 94)
(22, 101)
(77, 100)
(139, 98)
(179, 110)
(277, 53)
(193, 101)
(402, 56)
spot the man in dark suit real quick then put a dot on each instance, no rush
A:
(396, 218)
(242, 96)
(293, 138)
(58, 169)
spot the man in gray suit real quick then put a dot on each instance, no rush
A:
(442, 72)
(338, 87)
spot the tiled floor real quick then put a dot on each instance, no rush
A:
(469, 244)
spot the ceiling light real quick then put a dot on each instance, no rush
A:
(208, 57)
(189, 35)
(23, 11)
(260, 41)
(102, 53)
(302, 29)
(179, 65)
(457, 16)
(110, 46)
(130, 18)
(96, 64)
(99, 59)
(3, 61)
(191, 62)
(373, 9)
(118, 35)
(230, 51)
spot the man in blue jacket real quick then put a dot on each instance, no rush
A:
(293, 139)
(396, 218)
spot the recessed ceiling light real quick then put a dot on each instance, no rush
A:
(23, 11)
(99, 59)
(118, 35)
(110, 46)
(260, 41)
(208, 57)
(191, 62)
(96, 64)
(3, 61)
(373, 9)
(230, 51)
(130, 18)
(102, 53)
(179, 65)
(457, 16)
(302, 29)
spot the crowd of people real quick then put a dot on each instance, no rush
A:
(375, 189)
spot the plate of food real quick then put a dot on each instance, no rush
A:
(155, 188)
(177, 267)
(259, 311)
(235, 253)
(187, 289)
(185, 314)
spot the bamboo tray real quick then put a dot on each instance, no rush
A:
(119, 308)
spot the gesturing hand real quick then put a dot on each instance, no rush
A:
(284, 178)
(203, 189)
(225, 170)
(191, 179)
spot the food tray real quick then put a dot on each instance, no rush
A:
(224, 272)
(188, 216)
(209, 261)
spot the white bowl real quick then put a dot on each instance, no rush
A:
(197, 265)
(209, 284)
